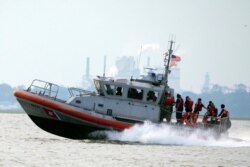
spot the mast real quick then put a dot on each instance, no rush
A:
(167, 59)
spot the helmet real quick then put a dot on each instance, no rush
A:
(222, 105)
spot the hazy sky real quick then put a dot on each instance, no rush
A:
(50, 39)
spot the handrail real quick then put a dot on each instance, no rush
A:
(221, 122)
(43, 88)
(50, 90)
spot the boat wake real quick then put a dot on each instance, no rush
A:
(149, 133)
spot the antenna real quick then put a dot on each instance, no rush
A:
(104, 66)
(139, 59)
(167, 59)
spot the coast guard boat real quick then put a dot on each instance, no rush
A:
(117, 104)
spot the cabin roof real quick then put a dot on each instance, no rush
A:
(128, 83)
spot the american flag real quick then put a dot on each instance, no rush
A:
(174, 60)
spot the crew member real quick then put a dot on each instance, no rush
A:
(211, 112)
(224, 113)
(179, 109)
(151, 96)
(211, 108)
(188, 104)
(224, 118)
(198, 106)
(168, 106)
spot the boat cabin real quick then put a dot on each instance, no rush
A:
(129, 90)
(123, 99)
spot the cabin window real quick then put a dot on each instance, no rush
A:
(109, 89)
(119, 91)
(135, 93)
(78, 101)
(152, 96)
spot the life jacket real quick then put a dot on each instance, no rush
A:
(225, 113)
(198, 107)
(169, 101)
(179, 104)
(211, 109)
(189, 104)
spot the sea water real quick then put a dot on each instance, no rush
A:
(22, 143)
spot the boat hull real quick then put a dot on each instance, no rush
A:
(64, 120)
(65, 129)
(67, 121)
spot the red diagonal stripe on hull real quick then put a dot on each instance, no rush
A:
(68, 110)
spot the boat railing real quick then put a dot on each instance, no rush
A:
(220, 124)
(43, 88)
(213, 119)
(224, 124)
(50, 90)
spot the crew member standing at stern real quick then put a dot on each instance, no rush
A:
(224, 118)
(224, 113)
(168, 106)
(179, 109)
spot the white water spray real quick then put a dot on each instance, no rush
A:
(149, 133)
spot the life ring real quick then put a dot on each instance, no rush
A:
(192, 118)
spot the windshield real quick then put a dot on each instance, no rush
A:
(98, 87)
